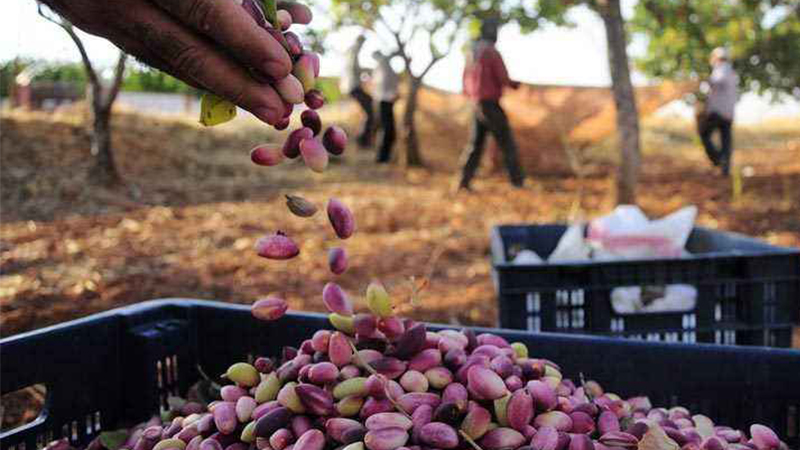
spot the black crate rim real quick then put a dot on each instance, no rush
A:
(760, 372)
(690, 257)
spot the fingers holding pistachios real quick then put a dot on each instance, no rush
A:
(230, 27)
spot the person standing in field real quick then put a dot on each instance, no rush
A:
(484, 78)
(385, 82)
(718, 114)
(350, 84)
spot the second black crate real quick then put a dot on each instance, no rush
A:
(747, 290)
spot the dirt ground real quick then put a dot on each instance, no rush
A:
(194, 206)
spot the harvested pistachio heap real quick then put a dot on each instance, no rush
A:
(380, 382)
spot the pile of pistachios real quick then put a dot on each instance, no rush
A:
(379, 382)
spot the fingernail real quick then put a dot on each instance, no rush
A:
(268, 115)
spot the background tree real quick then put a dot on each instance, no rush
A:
(437, 26)
(9, 70)
(624, 99)
(101, 98)
(433, 24)
(762, 35)
(452, 16)
(627, 116)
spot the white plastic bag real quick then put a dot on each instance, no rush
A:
(627, 233)
(675, 298)
(572, 246)
(526, 257)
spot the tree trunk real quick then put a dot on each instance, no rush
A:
(104, 170)
(413, 157)
(624, 100)
(102, 100)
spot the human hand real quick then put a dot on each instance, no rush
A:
(212, 44)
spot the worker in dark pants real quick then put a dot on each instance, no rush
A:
(385, 81)
(485, 76)
(718, 113)
(350, 84)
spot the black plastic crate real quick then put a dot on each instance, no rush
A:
(116, 367)
(747, 291)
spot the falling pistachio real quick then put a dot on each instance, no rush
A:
(299, 206)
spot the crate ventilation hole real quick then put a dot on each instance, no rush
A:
(167, 378)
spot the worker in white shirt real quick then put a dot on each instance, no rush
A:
(350, 84)
(720, 104)
(385, 82)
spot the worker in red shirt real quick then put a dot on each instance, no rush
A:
(485, 76)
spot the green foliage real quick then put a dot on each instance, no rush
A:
(315, 39)
(137, 78)
(41, 71)
(530, 15)
(763, 37)
(437, 24)
(8, 71)
(146, 79)
(72, 72)
(533, 15)
(433, 23)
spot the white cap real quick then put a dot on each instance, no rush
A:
(720, 53)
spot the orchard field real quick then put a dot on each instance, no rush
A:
(186, 223)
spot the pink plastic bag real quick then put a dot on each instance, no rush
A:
(627, 233)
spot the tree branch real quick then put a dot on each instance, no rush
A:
(116, 83)
(87, 63)
(403, 21)
(436, 55)
(386, 25)
(412, 33)
(401, 46)
(395, 34)
(414, 12)
(381, 37)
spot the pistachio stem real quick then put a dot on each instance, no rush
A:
(386, 392)
(469, 440)
(214, 385)
(374, 372)
(585, 391)
(360, 361)
(203, 373)
(270, 9)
